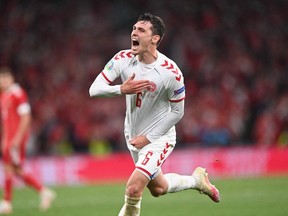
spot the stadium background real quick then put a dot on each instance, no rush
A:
(233, 55)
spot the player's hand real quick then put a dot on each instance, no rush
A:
(15, 154)
(131, 86)
(139, 141)
(15, 151)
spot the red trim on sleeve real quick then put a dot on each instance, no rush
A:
(177, 101)
(144, 171)
(109, 81)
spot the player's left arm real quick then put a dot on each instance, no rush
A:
(175, 89)
(24, 111)
(176, 94)
(172, 118)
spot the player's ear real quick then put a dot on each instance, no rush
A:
(155, 39)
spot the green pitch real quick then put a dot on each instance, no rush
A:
(253, 196)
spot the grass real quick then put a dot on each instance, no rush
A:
(251, 196)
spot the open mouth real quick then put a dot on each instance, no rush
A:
(135, 43)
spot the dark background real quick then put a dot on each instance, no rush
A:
(233, 55)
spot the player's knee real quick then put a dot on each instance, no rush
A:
(134, 190)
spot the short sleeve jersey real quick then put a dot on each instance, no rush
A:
(146, 109)
(14, 103)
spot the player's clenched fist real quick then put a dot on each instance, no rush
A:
(131, 86)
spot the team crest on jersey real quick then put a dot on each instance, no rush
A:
(109, 65)
(179, 91)
(152, 87)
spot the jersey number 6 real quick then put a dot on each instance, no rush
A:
(147, 158)
(139, 99)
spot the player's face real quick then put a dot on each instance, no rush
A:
(141, 37)
(5, 81)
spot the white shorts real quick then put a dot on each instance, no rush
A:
(150, 158)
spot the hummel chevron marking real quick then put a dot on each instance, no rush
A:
(163, 154)
(123, 54)
(170, 66)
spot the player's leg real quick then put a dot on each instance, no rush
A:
(172, 183)
(147, 161)
(6, 202)
(161, 184)
(46, 195)
(158, 186)
(29, 179)
(133, 194)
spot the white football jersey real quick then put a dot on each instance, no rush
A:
(147, 109)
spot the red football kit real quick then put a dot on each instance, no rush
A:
(14, 103)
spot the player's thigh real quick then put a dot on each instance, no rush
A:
(136, 184)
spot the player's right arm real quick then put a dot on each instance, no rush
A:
(101, 87)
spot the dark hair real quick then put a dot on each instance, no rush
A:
(158, 26)
(6, 70)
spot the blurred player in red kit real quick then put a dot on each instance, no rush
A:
(15, 130)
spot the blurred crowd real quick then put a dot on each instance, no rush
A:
(233, 55)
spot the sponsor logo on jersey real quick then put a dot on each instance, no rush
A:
(179, 91)
(109, 65)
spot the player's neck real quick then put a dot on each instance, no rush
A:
(148, 57)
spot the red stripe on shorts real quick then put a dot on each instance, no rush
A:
(145, 171)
